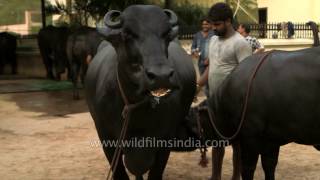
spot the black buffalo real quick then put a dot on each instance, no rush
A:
(145, 60)
(8, 46)
(283, 106)
(52, 44)
(82, 46)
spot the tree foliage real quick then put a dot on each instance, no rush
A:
(189, 14)
(246, 11)
(13, 11)
(82, 10)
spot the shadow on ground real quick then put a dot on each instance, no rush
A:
(47, 97)
(50, 103)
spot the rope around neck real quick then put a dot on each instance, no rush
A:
(126, 112)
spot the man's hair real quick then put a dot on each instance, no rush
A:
(246, 28)
(220, 12)
(207, 19)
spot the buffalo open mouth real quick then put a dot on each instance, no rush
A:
(161, 92)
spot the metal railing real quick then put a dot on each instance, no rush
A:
(270, 30)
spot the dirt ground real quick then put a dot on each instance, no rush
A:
(47, 135)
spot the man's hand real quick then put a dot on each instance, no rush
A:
(195, 54)
(195, 99)
(206, 62)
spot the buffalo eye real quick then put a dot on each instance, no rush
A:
(128, 34)
(135, 66)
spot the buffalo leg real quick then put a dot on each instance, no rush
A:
(236, 160)
(217, 160)
(157, 169)
(75, 74)
(120, 173)
(269, 160)
(50, 74)
(58, 77)
(14, 64)
(47, 60)
(83, 73)
(84, 68)
(14, 67)
(249, 159)
(69, 73)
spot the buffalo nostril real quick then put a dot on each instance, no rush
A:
(171, 73)
(151, 75)
(159, 74)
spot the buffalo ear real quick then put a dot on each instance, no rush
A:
(106, 31)
(173, 20)
(174, 32)
(112, 23)
(111, 29)
(113, 19)
(111, 35)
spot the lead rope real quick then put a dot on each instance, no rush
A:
(203, 149)
(248, 92)
(126, 112)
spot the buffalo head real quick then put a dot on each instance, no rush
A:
(141, 36)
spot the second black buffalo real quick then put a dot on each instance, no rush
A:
(8, 46)
(52, 44)
(82, 46)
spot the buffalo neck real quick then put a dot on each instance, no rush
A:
(129, 88)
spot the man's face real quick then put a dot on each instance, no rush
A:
(206, 26)
(220, 28)
(241, 30)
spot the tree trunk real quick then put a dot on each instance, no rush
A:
(43, 13)
(168, 4)
(69, 10)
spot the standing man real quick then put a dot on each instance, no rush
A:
(226, 50)
(200, 47)
(256, 46)
(200, 44)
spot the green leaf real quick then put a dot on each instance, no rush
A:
(246, 11)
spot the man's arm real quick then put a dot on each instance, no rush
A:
(260, 50)
(204, 77)
(201, 82)
(258, 46)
